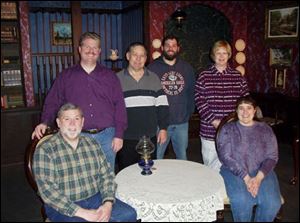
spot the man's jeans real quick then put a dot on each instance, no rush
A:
(104, 138)
(121, 212)
(267, 200)
(178, 134)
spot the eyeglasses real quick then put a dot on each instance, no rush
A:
(85, 47)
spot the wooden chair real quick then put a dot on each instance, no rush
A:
(220, 214)
(29, 161)
(295, 148)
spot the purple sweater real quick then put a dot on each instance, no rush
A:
(215, 96)
(99, 95)
(246, 149)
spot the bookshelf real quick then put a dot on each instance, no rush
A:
(12, 88)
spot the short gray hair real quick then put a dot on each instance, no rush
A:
(68, 106)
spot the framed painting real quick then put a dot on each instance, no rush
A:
(282, 23)
(61, 33)
(281, 57)
(280, 78)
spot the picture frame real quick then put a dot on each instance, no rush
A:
(280, 78)
(282, 23)
(281, 57)
(61, 33)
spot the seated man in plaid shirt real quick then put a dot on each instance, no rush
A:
(73, 176)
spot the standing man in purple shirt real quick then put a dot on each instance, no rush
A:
(97, 90)
(216, 92)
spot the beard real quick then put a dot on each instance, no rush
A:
(169, 57)
(71, 135)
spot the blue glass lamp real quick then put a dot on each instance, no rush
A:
(145, 147)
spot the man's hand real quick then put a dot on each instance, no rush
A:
(104, 212)
(117, 144)
(39, 131)
(216, 123)
(90, 215)
(162, 136)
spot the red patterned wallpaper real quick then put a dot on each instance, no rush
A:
(26, 53)
(248, 22)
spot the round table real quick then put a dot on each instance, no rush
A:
(177, 190)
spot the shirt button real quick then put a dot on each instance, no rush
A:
(92, 115)
(90, 105)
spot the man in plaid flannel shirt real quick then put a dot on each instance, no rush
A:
(73, 176)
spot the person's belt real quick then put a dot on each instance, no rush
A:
(92, 131)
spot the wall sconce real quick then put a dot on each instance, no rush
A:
(179, 16)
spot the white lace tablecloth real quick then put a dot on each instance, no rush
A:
(176, 191)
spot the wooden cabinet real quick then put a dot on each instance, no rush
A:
(16, 128)
(12, 87)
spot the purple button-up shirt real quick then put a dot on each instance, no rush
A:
(99, 95)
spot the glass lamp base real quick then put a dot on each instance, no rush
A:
(146, 166)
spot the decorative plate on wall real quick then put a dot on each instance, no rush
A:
(240, 45)
(241, 69)
(156, 43)
(155, 55)
(240, 58)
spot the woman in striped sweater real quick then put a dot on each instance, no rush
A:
(217, 90)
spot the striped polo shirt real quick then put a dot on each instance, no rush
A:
(216, 94)
(146, 104)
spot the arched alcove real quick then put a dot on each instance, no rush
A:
(202, 27)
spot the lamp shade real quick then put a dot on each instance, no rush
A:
(179, 15)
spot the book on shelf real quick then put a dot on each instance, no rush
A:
(9, 34)
(8, 10)
(4, 101)
(7, 60)
(11, 78)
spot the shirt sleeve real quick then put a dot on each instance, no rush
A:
(201, 102)
(226, 149)
(53, 101)
(107, 185)
(162, 107)
(44, 172)
(120, 110)
(271, 151)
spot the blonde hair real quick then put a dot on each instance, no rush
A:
(89, 35)
(219, 44)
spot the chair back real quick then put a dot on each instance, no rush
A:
(29, 157)
(229, 118)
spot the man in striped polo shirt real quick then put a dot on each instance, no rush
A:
(146, 104)
(217, 90)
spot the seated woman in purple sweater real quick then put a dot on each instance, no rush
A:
(248, 152)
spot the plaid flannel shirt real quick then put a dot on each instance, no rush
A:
(65, 175)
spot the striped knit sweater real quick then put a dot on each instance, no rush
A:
(215, 96)
(146, 104)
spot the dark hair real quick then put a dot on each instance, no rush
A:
(91, 35)
(134, 44)
(170, 37)
(68, 106)
(247, 100)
